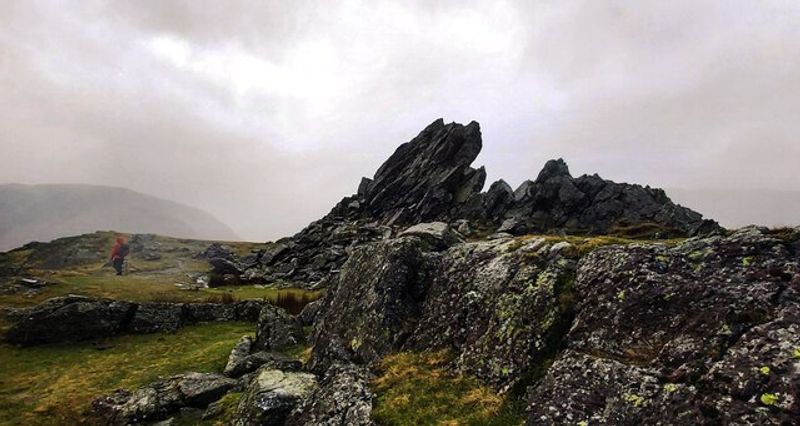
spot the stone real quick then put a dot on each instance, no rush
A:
(70, 318)
(156, 317)
(271, 396)
(438, 234)
(242, 360)
(158, 400)
(343, 398)
(276, 329)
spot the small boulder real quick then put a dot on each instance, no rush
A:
(272, 395)
(159, 400)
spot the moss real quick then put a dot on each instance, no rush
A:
(414, 388)
(769, 399)
(54, 384)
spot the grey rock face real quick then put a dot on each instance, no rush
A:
(160, 399)
(701, 332)
(375, 304)
(276, 329)
(272, 395)
(343, 398)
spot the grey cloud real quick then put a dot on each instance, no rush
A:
(267, 113)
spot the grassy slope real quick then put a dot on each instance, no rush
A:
(55, 384)
(145, 280)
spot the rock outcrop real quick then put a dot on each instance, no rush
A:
(700, 332)
(157, 401)
(430, 179)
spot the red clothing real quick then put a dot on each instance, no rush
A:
(116, 251)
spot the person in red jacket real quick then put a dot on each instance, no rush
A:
(118, 253)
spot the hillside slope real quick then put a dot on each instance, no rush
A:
(45, 212)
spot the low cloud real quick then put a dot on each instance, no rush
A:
(267, 113)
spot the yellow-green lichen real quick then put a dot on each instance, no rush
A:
(796, 353)
(769, 399)
(583, 423)
(621, 296)
(747, 261)
(670, 387)
(764, 370)
(633, 399)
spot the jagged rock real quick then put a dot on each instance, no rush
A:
(590, 205)
(276, 329)
(271, 396)
(158, 400)
(242, 360)
(437, 234)
(70, 318)
(428, 175)
(343, 398)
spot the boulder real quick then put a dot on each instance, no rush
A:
(242, 360)
(271, 396)
(343, 398)
(276, 329)
(158, 400)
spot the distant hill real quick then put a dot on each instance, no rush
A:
(737, 208)
(45, 212)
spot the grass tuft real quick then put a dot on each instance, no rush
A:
(414, 388)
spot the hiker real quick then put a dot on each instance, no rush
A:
(118, 253)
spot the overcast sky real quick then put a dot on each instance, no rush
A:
(265, 114)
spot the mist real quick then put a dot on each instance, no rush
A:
(265, 114)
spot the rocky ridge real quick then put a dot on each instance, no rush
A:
(430, 179)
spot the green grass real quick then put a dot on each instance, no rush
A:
(414, 389)
(141, 287)
(55, 384)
